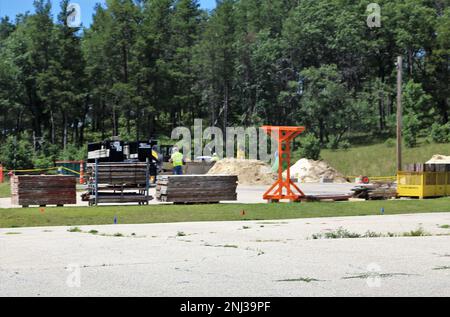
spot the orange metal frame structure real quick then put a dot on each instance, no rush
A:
(284, 189)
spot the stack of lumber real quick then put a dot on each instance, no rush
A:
(119, 173)
(197, 188)
(42, 190)
(376, 191)
(421, 167)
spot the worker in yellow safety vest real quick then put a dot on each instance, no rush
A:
(177, 161)
(154, 164)
(215, 157)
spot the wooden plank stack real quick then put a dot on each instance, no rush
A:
(42, 190)
(421, 167)
(119, 173)
(197, 188)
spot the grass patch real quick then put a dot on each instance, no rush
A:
(75, 229)
(13, 233)
(301, 279)
(95, 233)
(80, 216)
(440, 268)
(342, 233)
(416, 233)
(181, 234)
(445, 227)
(5, 190)
(227, 246)
(374, 274)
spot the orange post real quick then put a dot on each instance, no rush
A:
(284, 189)
(81, 172)
(1, 173)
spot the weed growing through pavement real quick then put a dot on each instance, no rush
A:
(96, 233)
(440, 268)
(342, 233)
(301, 279)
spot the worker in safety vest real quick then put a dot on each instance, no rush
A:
(215, 157)
(154, 162)
(177, 161)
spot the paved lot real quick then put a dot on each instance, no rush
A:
(269, 258)
(246, 194)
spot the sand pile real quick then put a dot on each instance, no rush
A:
(439, 159)
(310, 171)
(249, 172)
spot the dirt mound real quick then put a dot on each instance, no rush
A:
(439, 159)
(310, 171)
(249, 172)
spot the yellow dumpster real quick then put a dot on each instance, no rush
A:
(423, 184)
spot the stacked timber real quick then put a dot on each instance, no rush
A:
(119, 173)
(421, 167)
(197, 188)
(375, 191)
(117, 183)
(42, 190)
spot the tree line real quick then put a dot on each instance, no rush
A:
(145, 67)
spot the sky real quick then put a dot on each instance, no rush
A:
(13, 7)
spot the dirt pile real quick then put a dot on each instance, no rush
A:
(249, 172)
(439, 159)
(310, 171)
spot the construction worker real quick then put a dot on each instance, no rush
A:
(177, 161)
(154, 162)
(215, 157)
(241, 153)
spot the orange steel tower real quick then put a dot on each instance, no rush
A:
(284, 189)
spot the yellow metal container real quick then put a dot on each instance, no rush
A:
(423, 184)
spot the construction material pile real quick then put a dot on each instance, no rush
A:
(249, 172)
(119, 173)
(196, 188)
(42, 190)
(310, 171)
(439, 159)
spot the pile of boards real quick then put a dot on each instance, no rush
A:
(421, 167)
(42, 190)
(119, 173)
(375, 191)
(197, 188)
(117, 183)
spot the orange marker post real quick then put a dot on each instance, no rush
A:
(284, 189)
(1, 174)
(81, 172)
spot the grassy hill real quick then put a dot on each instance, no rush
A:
(379, 159)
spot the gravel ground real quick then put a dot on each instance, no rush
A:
(268, 258)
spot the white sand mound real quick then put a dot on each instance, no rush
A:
(439, 159)
(249, 172)
(310, 171)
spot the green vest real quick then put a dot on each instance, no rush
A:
(177, 159)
